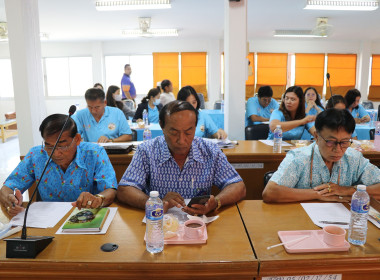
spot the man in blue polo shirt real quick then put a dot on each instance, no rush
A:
(101, 123)
(179, 166)
(127, 87)
(260, 107)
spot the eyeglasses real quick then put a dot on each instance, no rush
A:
(58, 148)
(343, 144)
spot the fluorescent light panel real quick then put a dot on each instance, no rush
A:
(363, 5)
(150, 33)
(132, 5)
(296, 34)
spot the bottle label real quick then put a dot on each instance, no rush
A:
(278, 134)
(360, 208)
(155, 214)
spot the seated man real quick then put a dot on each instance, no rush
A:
(326, 170)
(260, 107)
(179, 165)
(101, 123)
(78, 171)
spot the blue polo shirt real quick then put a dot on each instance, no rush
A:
(359, 112)
(153, 114)
(113, 124)
(126, 81)
(293, 134)
(313, 111)
(254, 108)
(206, 126)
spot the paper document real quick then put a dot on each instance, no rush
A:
(271, 143)
(120, 144)
(223, 143)
(331, 212)
(43, 214)
(105, 227)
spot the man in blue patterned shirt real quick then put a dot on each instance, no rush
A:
(327, 170)
(180, 166)
(79, 172)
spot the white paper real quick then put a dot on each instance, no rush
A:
(105, 227)
(43, 214)
(271, 143)
(120, 144)
(183, 216)
(332, 212)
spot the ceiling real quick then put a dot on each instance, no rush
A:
(78, 20)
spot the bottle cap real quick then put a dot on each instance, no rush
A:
(153, 194)
(362, 187)
(278, 126)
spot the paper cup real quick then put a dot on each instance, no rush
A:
(334, 235)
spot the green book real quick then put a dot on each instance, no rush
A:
(86, 220)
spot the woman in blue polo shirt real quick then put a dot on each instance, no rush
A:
(205, 127)
(357, 111)
(151, 103)
(313, 105)
(291, 116)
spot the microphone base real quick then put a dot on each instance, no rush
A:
(26, 248)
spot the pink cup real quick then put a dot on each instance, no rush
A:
(194, 229)
(334, 235)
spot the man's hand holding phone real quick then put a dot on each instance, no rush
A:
(201, 205)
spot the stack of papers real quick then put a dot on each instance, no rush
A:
(223, 143)
(324, 214)
(271, 143)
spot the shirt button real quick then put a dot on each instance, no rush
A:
(180, 179)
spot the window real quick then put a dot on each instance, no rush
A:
(309, 71)
(166, 66)
(6, 85)
(194, 71)
(342, 69)
(68, 76)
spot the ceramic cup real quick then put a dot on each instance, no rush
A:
(334, 235)
(193, 229)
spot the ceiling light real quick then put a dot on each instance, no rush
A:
(364, 5)
(150, 33)
(132, 5)
(297, 34)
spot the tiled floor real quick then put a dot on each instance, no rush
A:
(9, 157)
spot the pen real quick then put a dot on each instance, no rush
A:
(333, 223)
(14, 193)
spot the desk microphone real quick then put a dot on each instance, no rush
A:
(328, 78)
(29, 247)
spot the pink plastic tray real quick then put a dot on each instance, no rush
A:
(313, 243)
(182, 239)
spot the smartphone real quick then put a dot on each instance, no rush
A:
(199, 200)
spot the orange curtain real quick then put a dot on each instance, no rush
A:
(165, 67)
(250, 83)
(310, 69)
(194, 71)
(342, 69)
(374, 89)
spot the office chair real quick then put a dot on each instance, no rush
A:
(267, 177)
(257, 132)
(372, 134)
(367, 104)
(202, 100)
(134, 135)
(217, 105)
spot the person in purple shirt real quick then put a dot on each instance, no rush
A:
(127, 87)
(79, 172)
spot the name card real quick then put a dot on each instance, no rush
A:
(248, 165)
(306, 277)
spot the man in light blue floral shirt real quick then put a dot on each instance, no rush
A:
(180, 166)
(327, 170)
(78, 172)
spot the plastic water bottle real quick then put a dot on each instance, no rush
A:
(154, 213)
(357, 232)
(377, 137)
(277, 139)
(145, 117)
(147, 134)
(222, 106)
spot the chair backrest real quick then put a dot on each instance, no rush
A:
(217, 105)
(134, 135)
(372, 134)
(202, 99)
(378, 113)
(267, 177)
(129, 103)
(257, 132)
(367, 104)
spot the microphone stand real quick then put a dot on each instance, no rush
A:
(29, 247)
(328, 78)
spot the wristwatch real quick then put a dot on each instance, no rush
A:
(102, 197)
(219, 204)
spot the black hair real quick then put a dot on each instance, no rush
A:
(54, 123)
(185, 92)
(174, 107)
(152, 93)
(94, 94)
(126, 65)
(300, 113)
(318, 100)
(335, 99)
(98, 84)
(335, 119)
(110, 100)
(265, 91)
(164, 84)
(351, 96)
